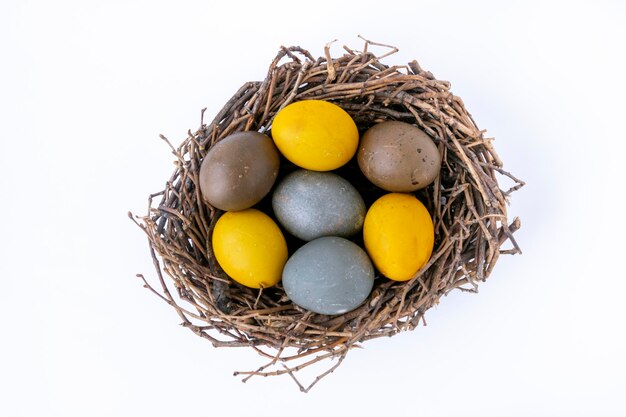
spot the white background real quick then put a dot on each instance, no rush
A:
(85, 89)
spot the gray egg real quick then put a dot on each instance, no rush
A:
(311, 204)
(329, 275)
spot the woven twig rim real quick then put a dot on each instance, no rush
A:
(467, 204)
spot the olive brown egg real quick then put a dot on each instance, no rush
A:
(239, 171)
(398, 157)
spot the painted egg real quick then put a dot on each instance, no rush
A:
(315, 135)
(250, 248)
(399, 235)
(398, 156)
(329, 275)
(239, 170)
(312, 204)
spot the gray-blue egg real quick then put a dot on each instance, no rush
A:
(329, 275)
(311, 204)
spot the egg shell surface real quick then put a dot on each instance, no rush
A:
(399, 235)
(315, 134)
(239, 170)
(399, 157)
(310, 204)
(329, 275)
(250, 248)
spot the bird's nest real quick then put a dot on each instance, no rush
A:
(467, 204)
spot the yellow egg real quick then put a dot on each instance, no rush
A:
(315, 135)
(250, 248)
(399, 235)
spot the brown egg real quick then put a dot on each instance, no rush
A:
(239, 171)
(398, 157)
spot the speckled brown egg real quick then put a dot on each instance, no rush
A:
(398, 157)
(239, 171)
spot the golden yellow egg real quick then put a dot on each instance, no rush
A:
(250, 248)
(315, 135)
(399, 235)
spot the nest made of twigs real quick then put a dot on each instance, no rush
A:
(466, 202)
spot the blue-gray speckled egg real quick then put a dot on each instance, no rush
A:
(329, 275)
(312, 204)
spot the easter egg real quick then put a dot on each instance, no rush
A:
(239, 170)
(399, 235)
(329, 275)
(315, 135)
(250, 248)
(398, 156)
(312, 204)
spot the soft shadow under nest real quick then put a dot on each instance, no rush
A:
(466, 202)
